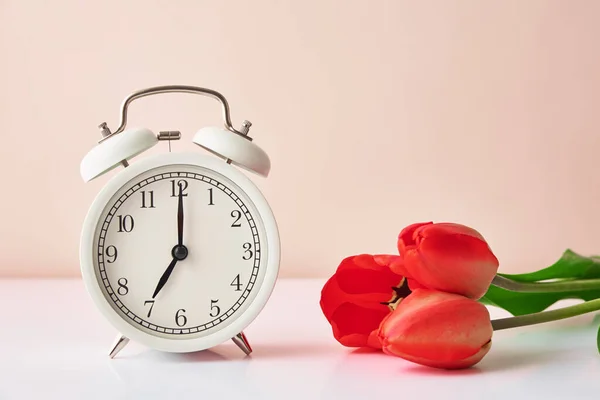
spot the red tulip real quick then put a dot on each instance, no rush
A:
(360, 294)
(448, 257)
(438, 329)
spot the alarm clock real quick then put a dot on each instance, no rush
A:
(179, 251)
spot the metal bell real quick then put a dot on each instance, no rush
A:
(115, 151)
(237, 149)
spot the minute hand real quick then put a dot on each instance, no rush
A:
(180, 217)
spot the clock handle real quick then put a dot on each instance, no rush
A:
(106, 133)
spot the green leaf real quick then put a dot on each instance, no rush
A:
(526, 303)
(570, 266)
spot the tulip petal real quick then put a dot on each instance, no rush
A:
(364, 275)
(437, 329)
(453, 364)
(454, 263)
(448, 228)
(407, 239)
(413, 284)
(354, 325)
(397, 266)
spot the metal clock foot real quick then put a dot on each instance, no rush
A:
(242, 342)
(119, 344)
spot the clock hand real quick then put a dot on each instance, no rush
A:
(179, 252)
(165, 277)
(180, 217)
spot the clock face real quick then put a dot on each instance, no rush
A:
(179, 251)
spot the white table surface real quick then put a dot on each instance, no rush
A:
(54, 345)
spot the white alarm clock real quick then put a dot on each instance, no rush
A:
(179, 251)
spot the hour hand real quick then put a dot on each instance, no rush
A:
(165, 277)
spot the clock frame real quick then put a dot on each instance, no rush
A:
(263, 289)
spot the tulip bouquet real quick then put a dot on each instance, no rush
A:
(428, 304)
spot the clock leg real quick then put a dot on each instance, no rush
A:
(242, 342)
(118, 345)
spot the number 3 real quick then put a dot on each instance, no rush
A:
(247, 251)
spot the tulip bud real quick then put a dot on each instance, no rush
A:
(437, 329)
(447, 257)
(361, 293)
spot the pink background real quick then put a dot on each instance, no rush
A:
(375, 115)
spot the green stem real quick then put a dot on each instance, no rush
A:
(546, 316)
(546, 287)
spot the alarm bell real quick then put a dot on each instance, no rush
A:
(115, 151)
(235, 148)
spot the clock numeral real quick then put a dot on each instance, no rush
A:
(181, 184)
(126, 223)
(214, 308)
(123, 289)
(180, 318)
(210, 197)
(247, 251)
(151, 302)
(237, 214)
(236, 282)
(150, 199)
(111, 254)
